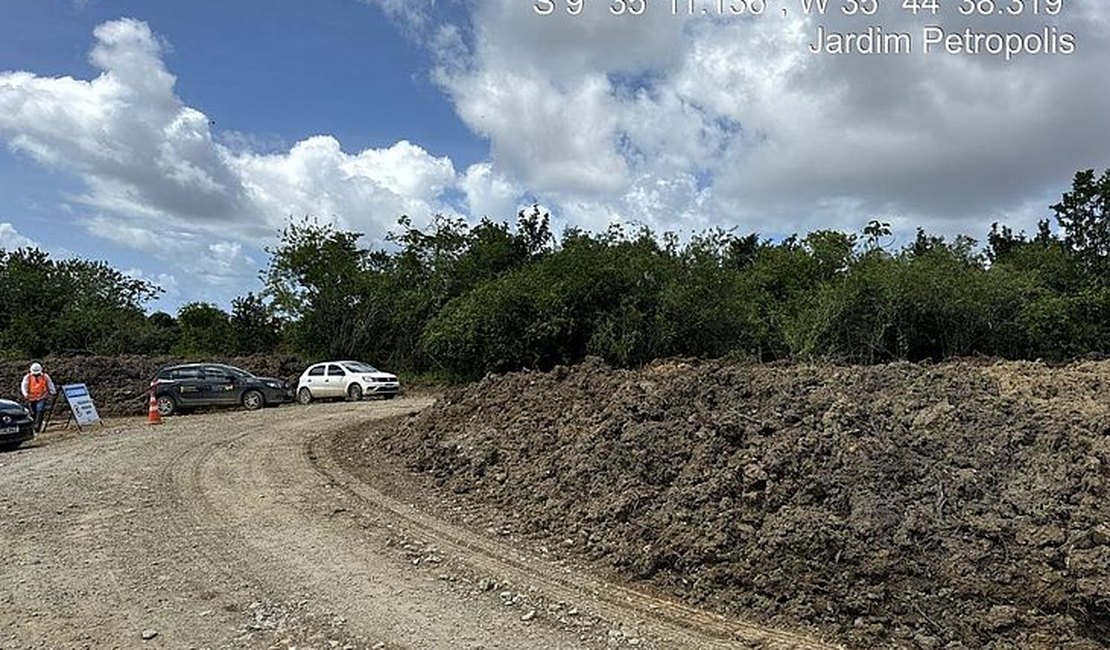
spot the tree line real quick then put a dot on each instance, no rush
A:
(460, 300)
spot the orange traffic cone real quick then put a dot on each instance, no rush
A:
(152, 416)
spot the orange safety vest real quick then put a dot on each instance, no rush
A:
(37, 387)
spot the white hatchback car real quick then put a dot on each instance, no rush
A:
(352, 380)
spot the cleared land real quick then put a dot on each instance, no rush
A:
(241, 530)
(684, 505)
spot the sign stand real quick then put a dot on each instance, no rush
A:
(82, 411)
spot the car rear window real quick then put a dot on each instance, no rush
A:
(317, 371)
(358, 366)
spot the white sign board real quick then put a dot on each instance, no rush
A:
(81, 403)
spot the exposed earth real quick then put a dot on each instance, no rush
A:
(958, 505)
(684, 505)
(240, 530)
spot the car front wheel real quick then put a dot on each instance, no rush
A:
(167, 405)
(253, 400)
(354, 392)
(304, 396)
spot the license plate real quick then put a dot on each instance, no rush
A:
(10, 430)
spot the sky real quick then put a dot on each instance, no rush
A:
(175, 139)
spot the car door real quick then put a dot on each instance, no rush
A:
(187, 386)
(336, 380)
(220, 387)
(314, 381)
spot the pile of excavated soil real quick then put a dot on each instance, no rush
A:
(121, 385)
(959, 505)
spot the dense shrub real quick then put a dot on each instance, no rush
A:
(463, 300)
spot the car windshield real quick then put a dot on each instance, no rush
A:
(358, 366)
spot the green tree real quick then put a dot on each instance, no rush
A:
(49, 306)
(205, 331)
(104, 313)
(1083, 214)
(534, 230)
(31, 295)
(253, 326)
(596, 295)
(161, 333)
(489, 297)
(702, 309)
(317, 279)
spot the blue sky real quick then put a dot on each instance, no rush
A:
(289, 71)
(269, 78)
(173, 139)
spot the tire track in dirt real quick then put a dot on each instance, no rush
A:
(192, 478)
(103, 563)
(270, 517)
(681, 625)
(233, 530)
(279, 608)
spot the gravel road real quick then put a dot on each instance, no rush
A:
(235, 530)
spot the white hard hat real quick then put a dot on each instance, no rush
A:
(36, 368)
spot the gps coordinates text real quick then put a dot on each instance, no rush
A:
(1004, 28)
(872, 39)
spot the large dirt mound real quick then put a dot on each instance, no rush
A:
(960, 505)
(120, 385)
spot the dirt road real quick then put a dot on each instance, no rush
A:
(235, 530)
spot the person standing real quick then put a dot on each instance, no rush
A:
(38, 389)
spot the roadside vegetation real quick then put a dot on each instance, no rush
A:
(457, 300)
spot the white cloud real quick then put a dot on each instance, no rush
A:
(135, 234)
(558, 139)
(676, 122)
(151, 163)
(612, 116)
(207, 262)
(366, 191)
(139, 150)
(225, 261)
(947, 141)
(10, 239)
(490, 193)
(171, 292)
(157, 179)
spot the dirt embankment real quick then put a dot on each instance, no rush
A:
(120, 385)
(960, 505)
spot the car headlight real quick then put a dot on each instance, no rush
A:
(273, 384)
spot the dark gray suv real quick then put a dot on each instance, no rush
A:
(191, 385)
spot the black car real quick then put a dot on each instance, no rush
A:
(179, 388)
(16, 425)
